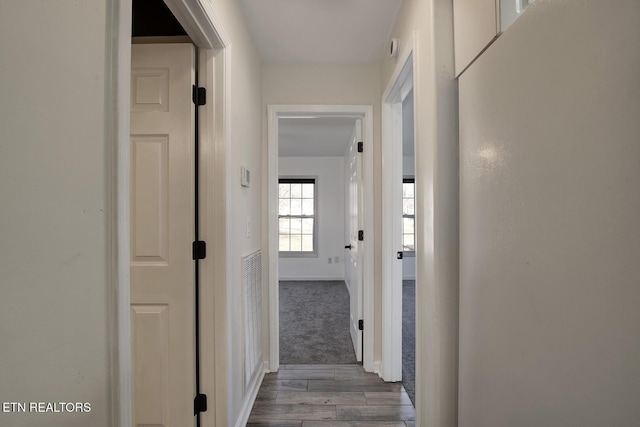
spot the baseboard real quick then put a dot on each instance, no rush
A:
(307, 279)
(250, 396)
(376, 368)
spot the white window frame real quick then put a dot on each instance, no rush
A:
(314, 252)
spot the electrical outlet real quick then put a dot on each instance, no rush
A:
(336, 259)
(329, 260)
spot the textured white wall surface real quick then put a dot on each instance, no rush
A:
(244, 205)
(550, 243)
(53, 224)
(475, 26)
(330, 215)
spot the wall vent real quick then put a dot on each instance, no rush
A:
(252, 287)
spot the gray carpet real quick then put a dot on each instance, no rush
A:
(409, 338)
(314, 323)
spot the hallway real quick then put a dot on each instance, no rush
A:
(525, 211)
(330, 395)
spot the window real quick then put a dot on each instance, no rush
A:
(408, 215)
(297, 216)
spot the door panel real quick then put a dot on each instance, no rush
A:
(162, 224)
(150, 336)
(149, 199)
(354, 274)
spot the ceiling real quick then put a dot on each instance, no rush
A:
(320, 30)
(314, 136)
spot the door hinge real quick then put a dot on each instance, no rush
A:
(199, 95)
(360, 147)
(200, 404)
(199, 250)
(361, 235)
(400, 255)
(361, 325)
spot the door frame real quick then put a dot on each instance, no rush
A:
(214, 52)
(400, 84)
(274, 113)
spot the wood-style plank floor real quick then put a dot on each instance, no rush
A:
(330, 396)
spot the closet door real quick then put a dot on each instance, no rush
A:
(162, 228)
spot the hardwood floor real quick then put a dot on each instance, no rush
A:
(330, 396)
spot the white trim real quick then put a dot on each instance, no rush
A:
(213, 230)
(312, 279)
(274, 112)
(272, 239)
(376, 368)
(200, 21)
(250, 395)
(400, 84)
(117, 118)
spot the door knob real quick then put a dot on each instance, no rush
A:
(348, 247)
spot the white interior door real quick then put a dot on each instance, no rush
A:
(162, 229)
(354, 254)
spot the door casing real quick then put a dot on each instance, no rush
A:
(358, 111)
(199, 20)
(400, 85)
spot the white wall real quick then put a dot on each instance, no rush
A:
(408, 169)
(550, 243)
(435, 92)
(243, 204)
(54, 242)
(330, 216)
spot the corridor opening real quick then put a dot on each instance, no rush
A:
(280, 237)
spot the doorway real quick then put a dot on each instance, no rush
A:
(166, 250)
(399, 223)
(163, 190)
(211, 58)
(320, 306)
(278, 117)
(408, 249)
